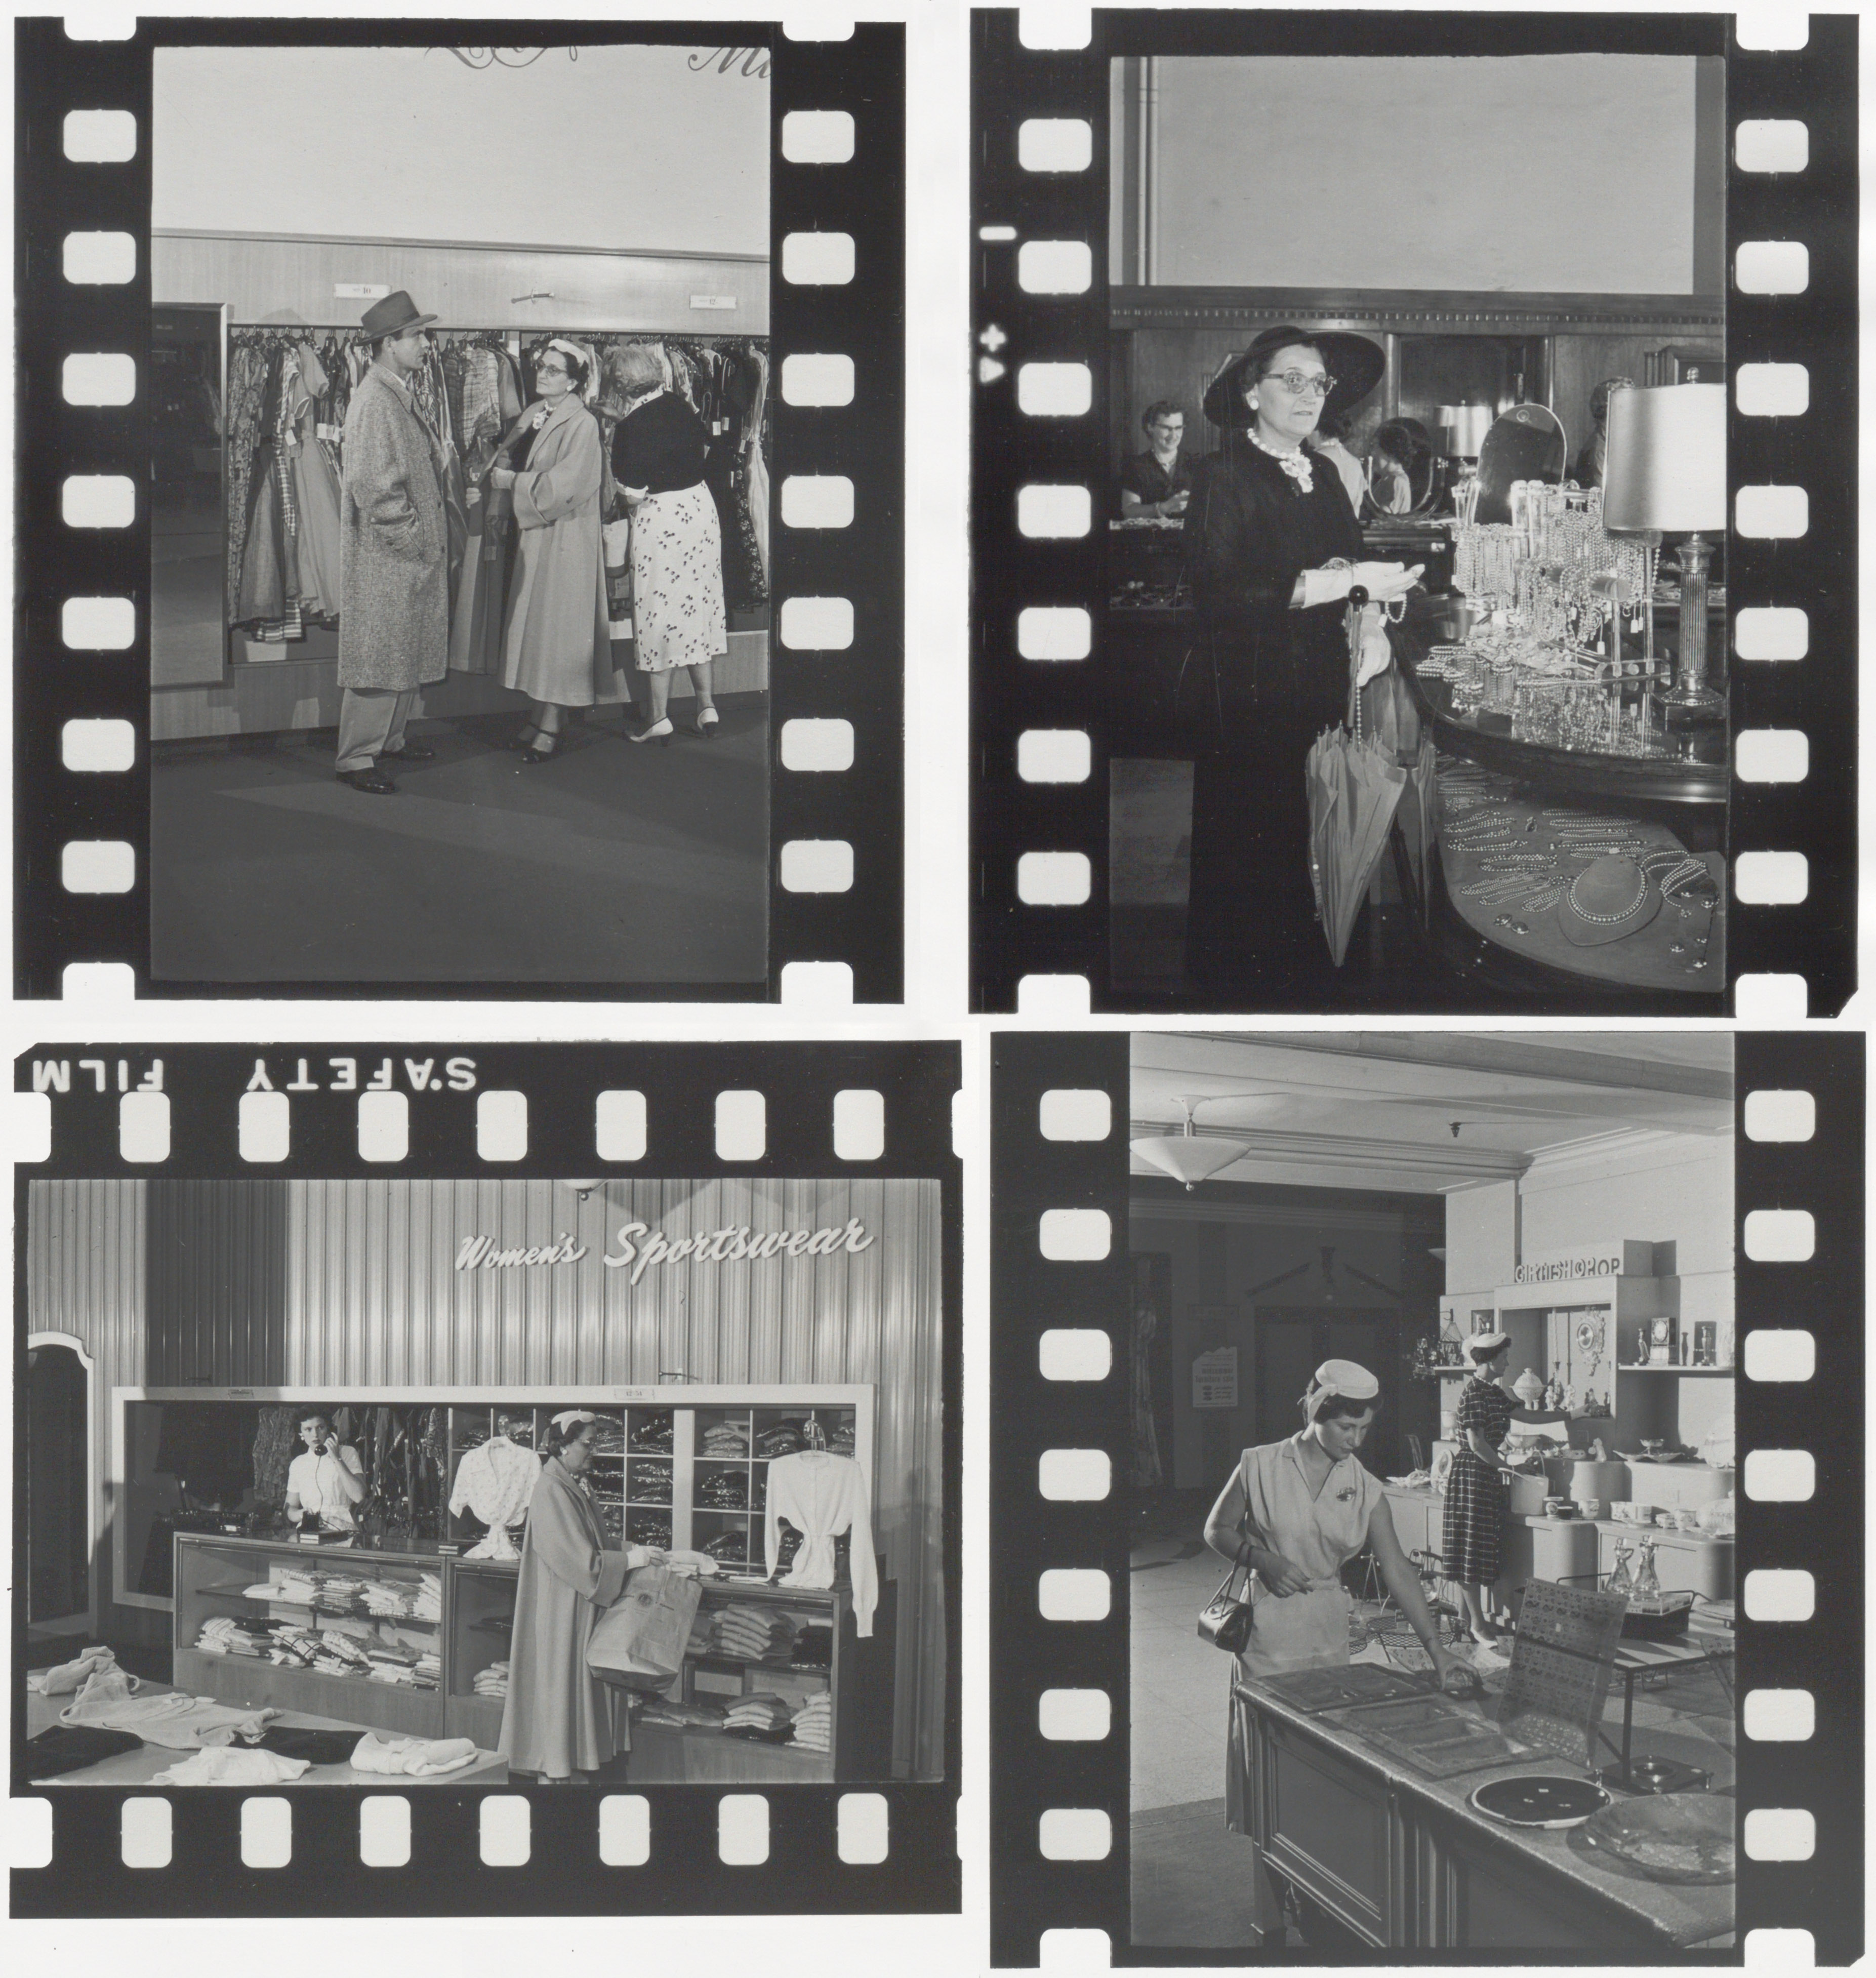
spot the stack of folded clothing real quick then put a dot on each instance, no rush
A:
(785, 1439)
(842, 1438)
(815, 1644)
(731, 1548)
(787, 1543)
(760, 1715)
(429, 1667)
(814, 1725)
(646, 1528)
(429, 1606)
(470, 1435)
(608, 1437)
(340, 1655)
(224, 1634)
(291, 1587)
(725, 1438)
(492, 1681)
(339, 1593)
(701, 1715)
(612, 1522)
(295, 1647)
(753, 1633)
(724, 1490)
(650, 1484)
(652, 1435)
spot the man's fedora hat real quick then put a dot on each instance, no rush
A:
(395, 314)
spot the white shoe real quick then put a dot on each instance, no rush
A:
(659, 731)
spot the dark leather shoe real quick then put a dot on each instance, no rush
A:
(412, 752)
(368, 781)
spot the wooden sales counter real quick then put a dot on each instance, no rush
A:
(1404, 1862)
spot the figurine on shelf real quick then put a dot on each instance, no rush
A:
(1569, 1401)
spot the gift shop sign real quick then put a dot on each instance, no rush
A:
(638, 1248)
(1598, 1260)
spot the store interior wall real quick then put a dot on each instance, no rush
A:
(1664, 1188)
(1238, 1238)
(620, 147)
(1572, 173)
(354, 1284)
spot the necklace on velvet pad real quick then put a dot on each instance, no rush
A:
(1296, 464)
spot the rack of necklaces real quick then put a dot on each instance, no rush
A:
(1555, 592)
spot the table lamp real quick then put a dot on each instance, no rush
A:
(1665, 472)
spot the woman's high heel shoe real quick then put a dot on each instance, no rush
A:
(534, 753)
(706, 723)
(659, 731)
(525, 736)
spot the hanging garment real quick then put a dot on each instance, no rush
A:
(821, 1496)
(273, 1452)
(495, 1482)
(316, 492)
(756, 469)
(249, 363)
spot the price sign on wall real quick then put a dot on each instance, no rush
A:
(1214, 1378)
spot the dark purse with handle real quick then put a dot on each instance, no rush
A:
(1226, 1618)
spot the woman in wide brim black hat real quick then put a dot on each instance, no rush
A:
(1276, 548)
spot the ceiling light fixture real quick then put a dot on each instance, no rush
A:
(1186, 1157)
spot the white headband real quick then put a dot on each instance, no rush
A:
(573, 1415)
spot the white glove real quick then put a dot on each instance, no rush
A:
(1383, 580)
(1377, 654)
(1326, 586)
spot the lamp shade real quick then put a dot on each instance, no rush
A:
(1187, 1157)
(1666, 465)
(1463, 428)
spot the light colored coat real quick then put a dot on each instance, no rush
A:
(393, 544)
(558, 1717)
(558, 646)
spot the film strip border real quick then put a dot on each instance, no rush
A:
(82, 835)
(794, 1110)
(1043, 739)
(1060, 1322)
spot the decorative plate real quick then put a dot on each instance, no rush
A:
(1669, 1837)
(1536, 1799)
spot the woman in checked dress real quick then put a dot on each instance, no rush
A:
(1474, 1496)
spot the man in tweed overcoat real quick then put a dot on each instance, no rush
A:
(393, 554)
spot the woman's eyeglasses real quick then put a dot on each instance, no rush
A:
(1297, 382)
(550, 370)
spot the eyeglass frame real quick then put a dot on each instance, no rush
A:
(1296, 382)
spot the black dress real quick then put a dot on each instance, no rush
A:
(1274, 678)
(1141, 475)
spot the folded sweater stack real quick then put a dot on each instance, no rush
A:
(228, 1634)
(700, 1715)
(814, 1725)
(752, 1634)
(416, 1758)
(726, 1438)
(492, 1681)
(760, 1715)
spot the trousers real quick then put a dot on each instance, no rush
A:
(371, 724)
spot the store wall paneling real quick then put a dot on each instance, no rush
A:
(1664, 1188)
(217, 1302)
(84, 1276)
(467, 286)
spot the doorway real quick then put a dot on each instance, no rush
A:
(58, 1443)
(188, 530)
(1292, 1342)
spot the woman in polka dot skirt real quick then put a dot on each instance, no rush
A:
(658, 450)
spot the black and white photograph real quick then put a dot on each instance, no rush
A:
(462, 444)
(408, 1482)
(1431, 1394)
(1415, 645)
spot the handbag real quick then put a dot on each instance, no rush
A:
(1226, 1619)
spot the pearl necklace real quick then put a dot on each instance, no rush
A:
(1609, 920)
(1296, 464)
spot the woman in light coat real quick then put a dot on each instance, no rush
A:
(558, 644)
(559, 1719)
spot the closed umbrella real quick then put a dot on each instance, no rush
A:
(1354, 787)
